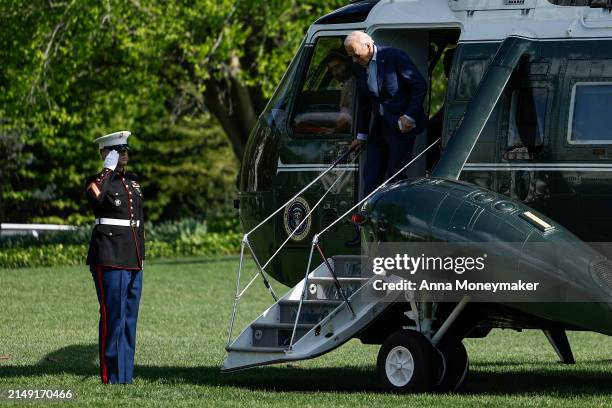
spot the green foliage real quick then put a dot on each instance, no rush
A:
(47, 255)
(224, 224)
(73, 71)
(59, 254)
(170, 231)
(185, 237)
(76, 237)
(200, 244)
(75, 254)
(188, 170)
(438, 87)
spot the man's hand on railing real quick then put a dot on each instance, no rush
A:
(356, 145)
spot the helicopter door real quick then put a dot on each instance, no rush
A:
(320, 127)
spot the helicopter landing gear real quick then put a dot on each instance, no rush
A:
(407, 362)
(455, 366)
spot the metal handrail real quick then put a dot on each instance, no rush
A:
(245, 237)
(335, 278)
(304, 220)
(294, 231)
(299, 311)
(315, 238)
(377, 188)
(330, 168)
(245, 240)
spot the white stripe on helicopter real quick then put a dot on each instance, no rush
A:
(314, 167)
(539, 166)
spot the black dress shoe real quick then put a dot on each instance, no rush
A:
(353, 243)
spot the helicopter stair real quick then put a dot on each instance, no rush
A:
(325, 319)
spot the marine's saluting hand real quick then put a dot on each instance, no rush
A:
(111, 160)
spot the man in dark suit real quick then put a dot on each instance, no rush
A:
(391, 92)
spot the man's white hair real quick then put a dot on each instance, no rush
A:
(358, 37)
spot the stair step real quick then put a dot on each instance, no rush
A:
(312, 312)
(276, 334)
(267, 339)
(324, 288)
(347, 266)
(257, 349)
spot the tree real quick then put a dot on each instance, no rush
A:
(75, 70)
(10, 151)
(219, 56)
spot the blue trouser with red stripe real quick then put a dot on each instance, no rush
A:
(118, 293)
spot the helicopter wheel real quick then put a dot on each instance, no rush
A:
(407, 362)
(455, 366)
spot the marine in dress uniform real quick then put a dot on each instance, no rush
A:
(116, 257)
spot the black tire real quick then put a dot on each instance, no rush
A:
(413, 364)
(456, 366)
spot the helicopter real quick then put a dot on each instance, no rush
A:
(524, 159)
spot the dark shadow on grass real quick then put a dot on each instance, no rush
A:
(268, 379)
(78, 359)
(585, 378)
(565, 382)
(504, 363)
(562, 382)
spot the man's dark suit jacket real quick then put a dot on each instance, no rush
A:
(401, 91)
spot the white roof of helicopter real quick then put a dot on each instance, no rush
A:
(487, 20)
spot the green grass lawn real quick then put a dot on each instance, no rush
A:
(48, 339)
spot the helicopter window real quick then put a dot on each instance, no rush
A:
(325, 103)
(469, 78)
(527, 117)
(589, 114)
(276, 111)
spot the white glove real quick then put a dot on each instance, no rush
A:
(111, 160)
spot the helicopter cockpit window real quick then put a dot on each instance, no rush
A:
(470, 75)
(590, 114)
(275, 112)
(527, 119)
(325, 103)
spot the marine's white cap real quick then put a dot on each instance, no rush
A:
(113, 139)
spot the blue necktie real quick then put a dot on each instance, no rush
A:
(373, 82)
(372, 77)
